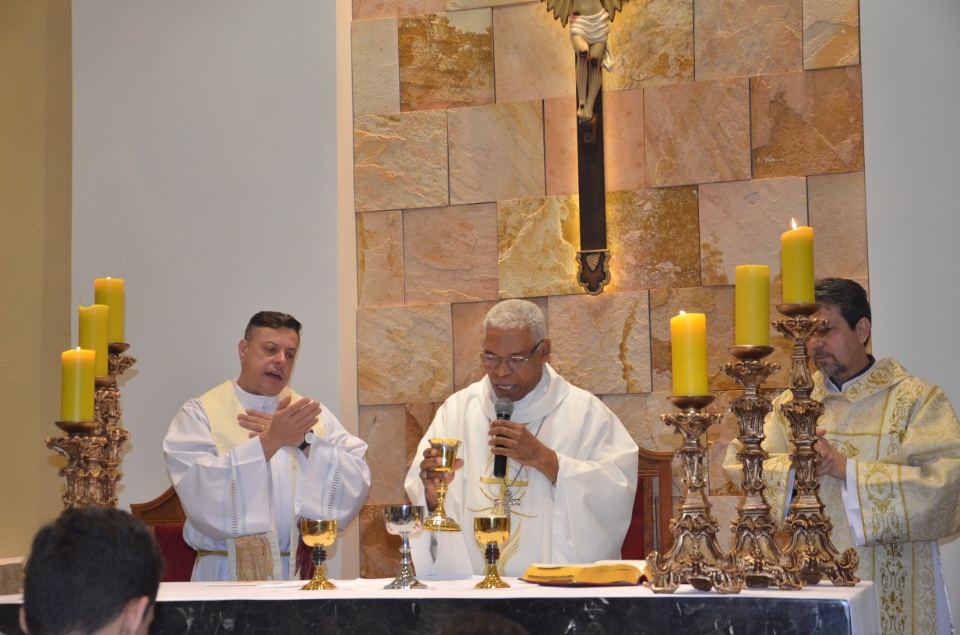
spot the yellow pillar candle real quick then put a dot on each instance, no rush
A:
(109, 291)
(93, 335)
(76, 388)
(688, 343)
(796, 254)
(752, 324)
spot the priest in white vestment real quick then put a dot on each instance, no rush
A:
(249, 457)
(571, 472)
(890, 470)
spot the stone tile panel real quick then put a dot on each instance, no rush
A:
(697, 133)
(737, 38)
(838, 215)
(496, 152)
(380, 258)
(376, 67)
(831, 33)
(652, 44)
(450, 254)
(623, 153)
(807, 123)
(400, 161)
(652, 236)
(560, 145)
(384, 430)
(601, 343)
(741, 223)
(446, 60)
(404, 354)
(640, 414)
(379, 551)
(456, 5)
(538, 242)
(369, 9)
(533, 57)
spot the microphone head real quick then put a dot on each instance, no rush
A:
(503, 408)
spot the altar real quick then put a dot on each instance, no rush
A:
(363, 606)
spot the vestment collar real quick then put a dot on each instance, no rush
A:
(882, 375)
(542, 400)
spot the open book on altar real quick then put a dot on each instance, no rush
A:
(600, 573)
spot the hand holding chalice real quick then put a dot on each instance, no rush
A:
(439, 521)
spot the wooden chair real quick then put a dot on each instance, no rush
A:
(652, 508)
(165, 517)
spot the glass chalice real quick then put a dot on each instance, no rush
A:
(405, 521)
(491, 531)
(318, 534)
(439, 521)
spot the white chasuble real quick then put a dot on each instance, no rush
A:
(582, 518)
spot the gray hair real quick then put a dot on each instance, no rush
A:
(517, 314)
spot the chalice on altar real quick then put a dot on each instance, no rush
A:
(491, 531)
(439, 521)
(318, 534)
(405, 521)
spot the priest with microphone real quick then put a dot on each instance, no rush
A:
(534, 446)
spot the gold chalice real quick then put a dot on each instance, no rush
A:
(491, 530)
(404, 521)
(318, 534)
(448, 454)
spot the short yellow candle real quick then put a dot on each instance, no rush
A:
(93, 335)
(688, 343)
(796, 254)
(76, 393)
(752, 324)
(109, 291)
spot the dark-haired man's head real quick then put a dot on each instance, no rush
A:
(92, 569)
(839, 350)
(267, 353)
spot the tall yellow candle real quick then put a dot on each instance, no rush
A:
(796, 254)
(688, 344)
(752, 324)
(109, 291)
(93, 335)
(76, 388)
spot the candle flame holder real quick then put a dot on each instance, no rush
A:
(695, 556)
(93, 448)
(810, 550)
(755, 551)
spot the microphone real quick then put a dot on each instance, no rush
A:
(503, 408)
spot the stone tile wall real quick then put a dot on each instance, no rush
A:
(466, 193)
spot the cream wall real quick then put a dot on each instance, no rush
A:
(35, 119)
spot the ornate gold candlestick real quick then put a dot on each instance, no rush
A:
(810, 549)
(695, 556)
(93, 448)
(755, 552)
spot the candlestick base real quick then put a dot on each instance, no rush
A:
(695, 556)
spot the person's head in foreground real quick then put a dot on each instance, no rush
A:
(515, 348)
(840, 350)
(93, 570)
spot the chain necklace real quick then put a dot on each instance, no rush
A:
(508, 501)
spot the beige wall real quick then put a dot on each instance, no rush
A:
(35, 160)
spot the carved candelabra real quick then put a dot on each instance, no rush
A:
(93, 448)
(810, 549)
(695, 556)
(755, 551)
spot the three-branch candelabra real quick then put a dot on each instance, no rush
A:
(695, 556)
(810, 549)
(93, 448)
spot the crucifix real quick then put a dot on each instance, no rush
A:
(589, 22)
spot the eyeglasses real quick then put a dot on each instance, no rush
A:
(492, 361)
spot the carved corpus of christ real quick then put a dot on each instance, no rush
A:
(589, 27)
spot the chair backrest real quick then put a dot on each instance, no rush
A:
(652, 508)
(164, 516)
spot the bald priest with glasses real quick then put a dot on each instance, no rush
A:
(550, 454)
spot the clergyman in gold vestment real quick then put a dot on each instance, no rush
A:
(890, 475)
